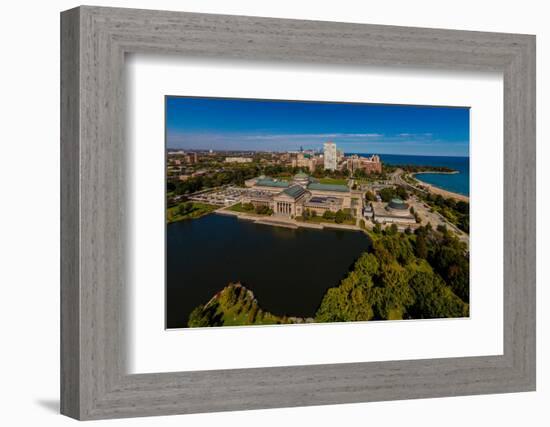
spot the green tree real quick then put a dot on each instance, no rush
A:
(205, 315)
(369, 196)
(262, 210)
(463, 207)
(392, 230)
(450, 260)
(442, 228)
(185, 208)
(350, 301)
(253, 313)
(402, 193)
(433, 299)
(421, 247)
(464, 223)
(340, 216)
(329, 215)
(386, 194)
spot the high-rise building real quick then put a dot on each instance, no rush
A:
(330, 155)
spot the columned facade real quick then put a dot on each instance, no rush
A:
(284, 208)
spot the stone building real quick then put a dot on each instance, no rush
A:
(395, 212)
(289, 201)
(290, 198)
(370, 164)
(305, 160)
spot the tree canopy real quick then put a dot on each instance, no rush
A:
(396, 281)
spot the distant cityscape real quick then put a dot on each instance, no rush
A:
(344, 183)
(330, 158)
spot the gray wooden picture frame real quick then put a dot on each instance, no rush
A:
(94, 41)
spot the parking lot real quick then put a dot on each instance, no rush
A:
(221, 197)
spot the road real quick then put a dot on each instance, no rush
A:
(435, 219)
(424, 211)
(397, 178)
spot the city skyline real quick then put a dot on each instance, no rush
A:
(270, 125)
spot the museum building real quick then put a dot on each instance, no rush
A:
(290, 198)
(395, 212)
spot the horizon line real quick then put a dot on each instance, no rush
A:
(298, 151)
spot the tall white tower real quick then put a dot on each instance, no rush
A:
(330, 155)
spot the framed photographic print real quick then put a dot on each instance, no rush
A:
(261, 213)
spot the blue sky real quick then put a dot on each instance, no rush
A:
(248, 124)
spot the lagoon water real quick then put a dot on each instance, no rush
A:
(458, 183)
(288, 270)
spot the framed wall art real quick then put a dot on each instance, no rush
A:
(261, 213)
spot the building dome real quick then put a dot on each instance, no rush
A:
(301, 179)
(398, 204)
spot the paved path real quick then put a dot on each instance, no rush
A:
(281, 221)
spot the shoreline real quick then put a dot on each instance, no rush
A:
(286, 223)
(438, 190)
(438, 172)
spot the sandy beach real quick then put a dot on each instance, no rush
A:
(436, 190)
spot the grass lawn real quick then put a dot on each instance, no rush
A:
(319, 219)
(333, 181)
(240, 208)
(197, 210)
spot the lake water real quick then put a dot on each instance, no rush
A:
(288, 270)
(458, 183)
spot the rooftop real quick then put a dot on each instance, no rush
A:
(270, 182)
(295, 191)
(259, 194)
(325, 201)
(328, 187)
(397, 203)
